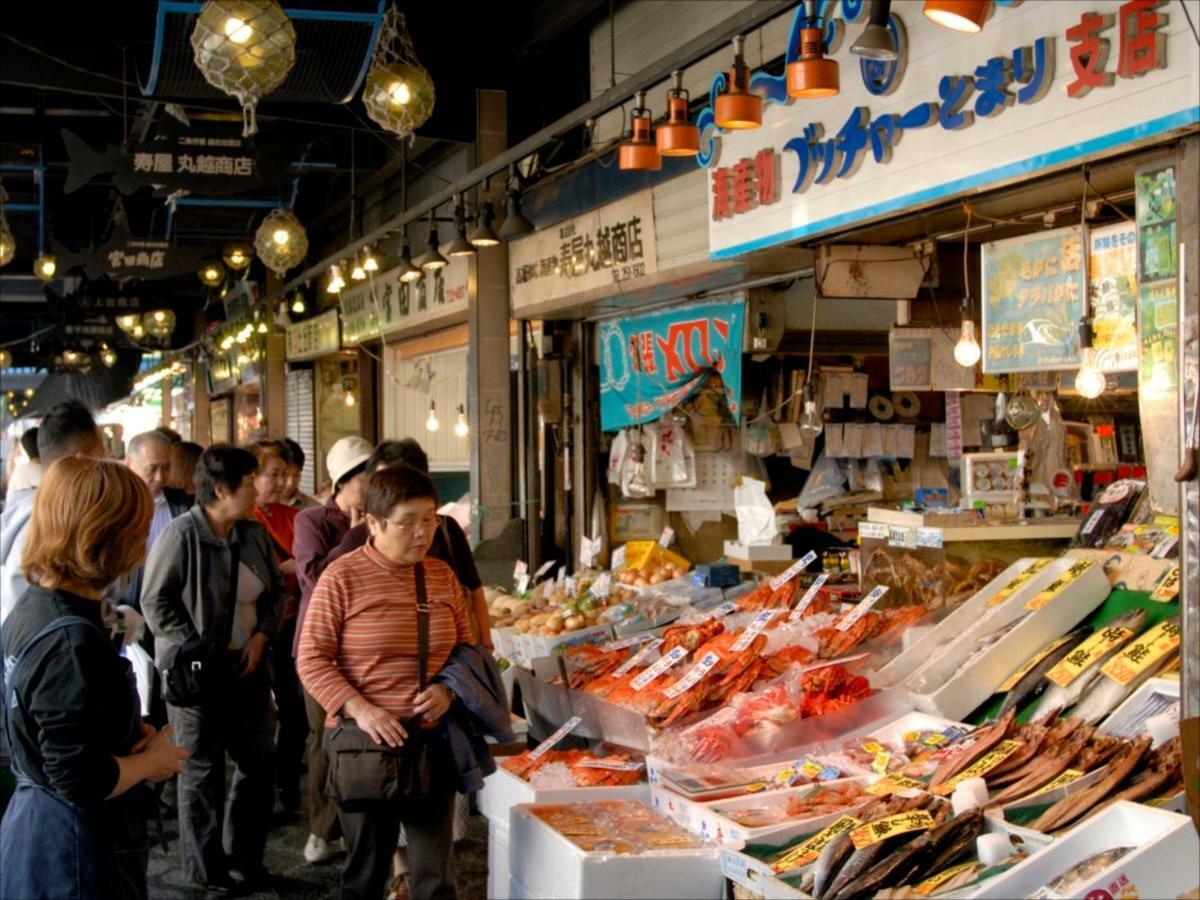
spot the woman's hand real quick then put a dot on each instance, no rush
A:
(252, 654)
(148, 732)
(381, 725)
(433, 702)
(163, 759)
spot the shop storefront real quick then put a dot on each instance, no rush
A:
(235, 385)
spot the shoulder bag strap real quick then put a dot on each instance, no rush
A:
(235, 561)
(422, 624)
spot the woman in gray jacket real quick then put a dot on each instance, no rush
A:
(212, 574)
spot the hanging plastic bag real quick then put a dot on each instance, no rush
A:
(760, 437)
(872, 476)
(669, 455)
(616, 456)
(825, 482)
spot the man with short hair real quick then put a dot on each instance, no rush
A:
(293, 457)
(27, 475)
(67, 430)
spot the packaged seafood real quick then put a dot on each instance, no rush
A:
(1109, 512)
(580, 768)
(1069, 882)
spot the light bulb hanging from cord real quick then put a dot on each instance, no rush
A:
(298, 304)
(966, 351)
(369, 261)
(811, 424)
(461, 428)
(432, 423)
(348, 398)
(358, 273)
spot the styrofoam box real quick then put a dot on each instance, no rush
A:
(758, 552)
(498, 876)
(1155, 696)
(547, 864)
(545, 646)
(764, 770)
(502, 790)
(951, 686)
(972, 614)
(502, 640)
(1162, 863)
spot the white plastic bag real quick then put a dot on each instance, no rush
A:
(825, 481)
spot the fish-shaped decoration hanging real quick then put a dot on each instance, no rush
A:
(126, 256)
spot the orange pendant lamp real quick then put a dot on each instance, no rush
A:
(812, 76)
(677, 136)
(737, 109)
(639, 153)
(958, 15)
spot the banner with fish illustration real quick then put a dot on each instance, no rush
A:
(651, 363)
(126, 256)
(1033, 295)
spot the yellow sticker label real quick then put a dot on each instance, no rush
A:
(808, 851)
(1058, 585)
(1028, 667)
(871, 747)
(984, 764)
(880, 762)
(783, 776)
(1167, 589)
(929, 885)
(894, 784)
(1062, 780)
(755, 787)
(882, 829)
(1144, 652)
(1082, 657)
(1023, 578)
(811, 770)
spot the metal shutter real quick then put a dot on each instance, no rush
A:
(301, 422)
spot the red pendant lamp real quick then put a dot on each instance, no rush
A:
(958, 15)
(737, 109)
(639, 153)
(677, 136)
(812, 76)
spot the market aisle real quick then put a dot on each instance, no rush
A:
(294, 879)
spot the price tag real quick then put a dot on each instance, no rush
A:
(668, 535)
(520, 568)
(1025, 669)
(870, 746)
(1144, 652)
(931, 538)
(880, 762)
(693, 676)
(618, 557)
(1024, 577)
(1093, 520)
(872, 531)
(1058, 585)
(602, 585)
(1168, 588)
(755, 628)
(809, 596)
(929, 885)
(722, 611)
(522, 582)
(548, 744)
(848, 620)
(615, 765)
(671, 659)
(543, 569)
(1061, 781)
(638, 657)
(1072, 665)
(989, 761)
(807, 852)
(626, 643)
(882, 829)
(560, 577)
(902, 537)
(893, 784)
(588, 548)
(793, 570)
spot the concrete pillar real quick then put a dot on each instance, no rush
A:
(489, 395)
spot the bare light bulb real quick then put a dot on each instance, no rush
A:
(237, 30)
(432, 423)
(349, 398)
(336, 281)
(108, 357)
(46, 267)
(811, 425)
(461, 428)
(966, 351)
(281, 236)
(1089, 380)
(399, 93)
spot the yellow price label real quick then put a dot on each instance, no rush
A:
(871, 747)
(1062, 780)
(1074, 663)
(756, 786)
(811, 770)
(1058, 585)
(985, 764)
(880, 762)
(894, 784)
(808, 851)
(1167, 589)
(784, 776)
(1023, 578)
(882, 829)
(929, 885)
(1028, 667)
(1139, 656)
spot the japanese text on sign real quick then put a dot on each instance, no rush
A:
(809, 596)
(638, 657)
(848, 620)
(807, 852)
(1024, 577)
(1056, 587)
(671, 659)
(746, 185)
(694, 674)
(1144, 652)
(548, 744)
(1003, 751)
(1015, 677)
(882, 829)
(1072, 665)
(793, 570)
(755, 628)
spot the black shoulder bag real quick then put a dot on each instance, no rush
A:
(364, 774)
(201, 671)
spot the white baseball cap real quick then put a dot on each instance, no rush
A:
(346, 455)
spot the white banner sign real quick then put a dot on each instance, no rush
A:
(386, 303)
(314, 337)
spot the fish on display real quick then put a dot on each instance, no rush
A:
(1072, 881)
(1034, 681)
(863, 861)
(1060, 698)
(1105, 694)
(1078, 805)
(202, 162)
(983, 739)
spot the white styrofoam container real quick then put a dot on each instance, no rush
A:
(535, 647)
(544, 863)
(1162, 863)
(657, 769)
(951, 686)
(970, 615)
(502, 790)
(502, 640)
(1152, 697)
(498, 875)
(887, 731)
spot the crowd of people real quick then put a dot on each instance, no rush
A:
(184, 607)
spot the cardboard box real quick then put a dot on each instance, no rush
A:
(756, 553)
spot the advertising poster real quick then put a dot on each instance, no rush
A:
(1113, 296)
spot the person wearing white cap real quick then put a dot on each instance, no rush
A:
(318, 531)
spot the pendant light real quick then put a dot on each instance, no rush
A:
(958, 15)
(461, 428)
(281, 241)
(460, 246)
(129, 322)
(160, 323)
(737, 109)
(369, 261)
(107, 356)
(211, 273)
(432, 423)
(432, 260)
(812, 76)
(408, 272)
(45, 266)
(876, 40)
(6, 359)
(1089, 380)
(237, 255)
(484, 235)
(639, 153)
(358, 273)
(966, 351)
(298, 306)
(515, 224)
(336, 281)
(677, 136)
(811, 423)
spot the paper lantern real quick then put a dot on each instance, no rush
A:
(281, 242)
(398, 94)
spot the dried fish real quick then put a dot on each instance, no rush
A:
(1069, 883)
(1034, 681)
(1045, 770)
(985, 739)
(1057, 697)
(862, 861)
(1072, 807)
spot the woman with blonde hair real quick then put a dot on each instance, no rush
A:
(76, 826)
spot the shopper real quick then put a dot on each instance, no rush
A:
(359, 657)
(67, 430)
(76, 826)
(184, 457)
(318, 531)
(279, 519)
(28, 474)
(212, 575)
(293, 455)
(148, 455)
